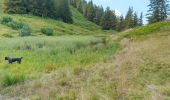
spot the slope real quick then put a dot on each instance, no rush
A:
(81, 25)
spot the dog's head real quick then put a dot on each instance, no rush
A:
(6, 58)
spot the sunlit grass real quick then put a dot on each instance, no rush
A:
(45, 54)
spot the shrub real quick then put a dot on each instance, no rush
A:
(47, 31)
(6, 20)
(15, 25)
(26, 31)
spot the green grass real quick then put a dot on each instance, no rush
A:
(145, 73)
(142, 32)
(45, 54)
(73, 49)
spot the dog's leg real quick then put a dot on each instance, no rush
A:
(19, 62)
(9, 61)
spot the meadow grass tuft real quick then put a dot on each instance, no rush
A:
(9, 80)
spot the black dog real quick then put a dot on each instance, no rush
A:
(11, 60)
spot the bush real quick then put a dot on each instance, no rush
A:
(26, 31)
(47, 31)
(6, 20)
(15, 25)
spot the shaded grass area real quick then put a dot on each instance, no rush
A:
(46, 54)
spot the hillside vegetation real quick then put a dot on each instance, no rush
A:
(81, 25)
(140, 71)
(143, 67)
(142, 32)
(72, 47)
(82, 62)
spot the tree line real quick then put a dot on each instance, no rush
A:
(107, 18)
(56, 9)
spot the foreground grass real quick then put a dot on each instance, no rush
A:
(46, 54)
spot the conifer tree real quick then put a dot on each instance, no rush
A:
(64, 12)
(141, 20)
(98, 15)
(90, 14)
(56, 9)
(157, 10)
(121, 24)
(80, 6)
(109, 20)
(129, 23)
(136, 19)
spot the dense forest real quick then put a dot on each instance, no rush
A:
(108, 18)
(56, 9)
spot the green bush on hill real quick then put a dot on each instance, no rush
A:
(47, 31)
(15, 25)
(6, 20)
(26, 31)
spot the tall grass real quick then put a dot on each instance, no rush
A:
(45, 54)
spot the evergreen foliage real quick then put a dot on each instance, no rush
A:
(56, 9)
(107, 18)
(157, 10)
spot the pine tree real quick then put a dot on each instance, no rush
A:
(106, 20)
(157, 10)
(141, 20)
(129, 23)
(56, 9)
(64, 12)
(98, 15)
(90, 14)
(136, 19)
(109, 20)
(73, 3)
(114, 20)
(121, 24)
(80, 6)
(13, 6)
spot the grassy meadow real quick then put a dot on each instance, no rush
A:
(46, 54)
(80, 61)
(72, 48)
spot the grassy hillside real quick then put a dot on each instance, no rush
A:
(142, 32)
(81, 25)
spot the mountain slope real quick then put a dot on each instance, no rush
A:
(81, 25)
